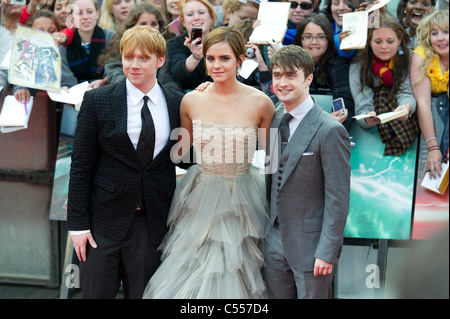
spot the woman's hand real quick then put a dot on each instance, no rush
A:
(342, 36)
(340, 117)
(97, 83)
(262, 66)
(433, 162)
(59, 38)
(256, 23)
(407, 108)
(33, 5)
(372, 121)
(195, 47)
(270, 52)
(365, 5)
(203, 86)
(22, 95)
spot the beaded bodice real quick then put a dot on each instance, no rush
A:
(224, 150)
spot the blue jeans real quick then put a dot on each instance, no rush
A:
(442, 110)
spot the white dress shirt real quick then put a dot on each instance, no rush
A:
(158, 109)
(299, 113)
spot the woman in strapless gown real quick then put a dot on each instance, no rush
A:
(219, 213)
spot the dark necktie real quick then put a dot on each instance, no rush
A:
(146, 143)
(284, 130)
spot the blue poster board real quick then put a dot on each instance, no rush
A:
(382, 188)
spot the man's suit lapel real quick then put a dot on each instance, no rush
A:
(274, 147)
(120, 110)
(300, 140)
(173, 109)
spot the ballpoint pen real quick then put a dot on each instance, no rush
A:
(26, 109)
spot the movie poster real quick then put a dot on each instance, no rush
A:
(35, 60)
(431, 209)
(382, 188)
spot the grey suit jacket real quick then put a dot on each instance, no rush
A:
(312, 197)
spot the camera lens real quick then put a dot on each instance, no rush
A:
(249, 53)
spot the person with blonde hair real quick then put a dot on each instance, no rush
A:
(219, 213)
(114, 12)
(122, 178)
(429, 78)
(236, 10)
(185, 54)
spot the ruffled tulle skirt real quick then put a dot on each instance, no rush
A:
(214, 246)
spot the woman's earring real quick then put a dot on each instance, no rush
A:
(400, 50)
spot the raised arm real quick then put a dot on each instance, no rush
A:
(422, 93)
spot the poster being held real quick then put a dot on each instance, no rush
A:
(35, 60)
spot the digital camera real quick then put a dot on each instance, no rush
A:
(249, 53)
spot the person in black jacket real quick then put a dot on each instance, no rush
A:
(119, 194)
(185, 55)
(331, 71)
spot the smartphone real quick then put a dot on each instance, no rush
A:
(338, 105)
(196, 33)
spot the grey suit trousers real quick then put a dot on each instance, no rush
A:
(285, 283)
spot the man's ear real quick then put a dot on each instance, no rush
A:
(309, 79)
(161, 62)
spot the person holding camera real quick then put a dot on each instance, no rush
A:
(197, 18)
(260, 77)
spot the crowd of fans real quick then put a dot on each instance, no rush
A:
(403, 66)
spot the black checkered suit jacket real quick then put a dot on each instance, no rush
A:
(107, 180)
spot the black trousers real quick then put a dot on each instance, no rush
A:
(132, 261)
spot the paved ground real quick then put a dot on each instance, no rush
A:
(16, 291)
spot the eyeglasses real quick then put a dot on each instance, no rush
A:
(310, 38)
(303, 5)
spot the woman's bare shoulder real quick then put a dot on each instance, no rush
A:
(258, 97)
(193, 96)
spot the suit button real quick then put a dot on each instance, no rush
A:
(280, 171)
(281, 165)
(279, 178)
(279, 184)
